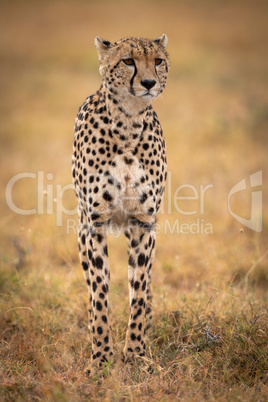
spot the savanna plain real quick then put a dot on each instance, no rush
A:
(209, 335)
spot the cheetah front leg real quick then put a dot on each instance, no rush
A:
(149, 312)
(141, 251)
(99, 277)
(82, 236)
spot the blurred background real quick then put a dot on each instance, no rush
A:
(214, 113)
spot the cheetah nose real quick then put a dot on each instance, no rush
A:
(148, 84)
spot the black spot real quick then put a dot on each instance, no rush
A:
(141, 301)
(137, 314)
(105, 250)
(104, 288)
(99, 262)
(107, 196)
(136, 125)
(133, 336)
(104, 318)
(136, 285)
(94, 286)
(89, 253)
(131, 261)
(99, 236)
(141, 259)
(100, 331)
(85, 266)
(128, 161)
(98, 306)
(95, 216)
(106, 339)
(134, 243)
(143, 198)
(145, 146)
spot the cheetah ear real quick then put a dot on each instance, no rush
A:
(162, 41)
(102, 46)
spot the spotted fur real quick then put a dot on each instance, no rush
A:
(119, 173)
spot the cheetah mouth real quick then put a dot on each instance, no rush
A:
(147, 94)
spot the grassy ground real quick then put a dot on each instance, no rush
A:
(210, 331)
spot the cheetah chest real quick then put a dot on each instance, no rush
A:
(130, 193)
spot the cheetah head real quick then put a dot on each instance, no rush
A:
(134, 67)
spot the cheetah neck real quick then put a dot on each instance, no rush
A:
(127, 116)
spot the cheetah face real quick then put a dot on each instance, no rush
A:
(134, 67)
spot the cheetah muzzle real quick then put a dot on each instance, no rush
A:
(119, 172)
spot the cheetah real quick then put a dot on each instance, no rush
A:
(119, 171)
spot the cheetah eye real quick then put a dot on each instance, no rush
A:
(129, 62)
(158, 62)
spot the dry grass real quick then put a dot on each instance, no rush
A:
(210, 332)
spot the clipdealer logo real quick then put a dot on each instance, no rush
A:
(50, 201)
